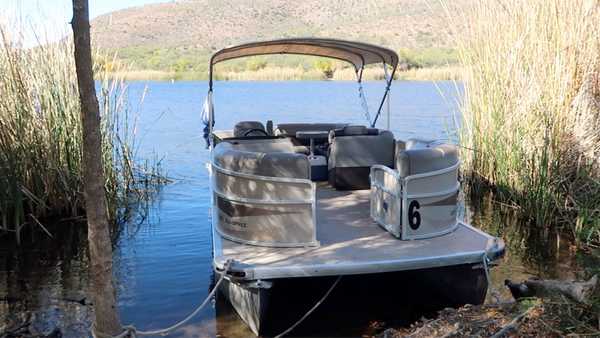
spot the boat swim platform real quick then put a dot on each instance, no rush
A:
(352, 243)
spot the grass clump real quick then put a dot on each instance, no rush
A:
(41, 140)
(532, 107)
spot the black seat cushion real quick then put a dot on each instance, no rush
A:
(244, 128)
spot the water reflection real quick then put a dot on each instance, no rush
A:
(43, 284)
(531, 251)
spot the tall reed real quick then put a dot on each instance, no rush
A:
(40, 138)
(532, 107)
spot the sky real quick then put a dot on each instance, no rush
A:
(49, 19)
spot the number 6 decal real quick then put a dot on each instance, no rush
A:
(414, 217)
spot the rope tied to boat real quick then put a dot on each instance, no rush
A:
(130, 331)
(486, 269)
(311, 309)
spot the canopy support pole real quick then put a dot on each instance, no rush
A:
(210, 76)
(387, 78)
(385, 95)
(208, 115)
(208, 118)
(211, 120)
(388, 113)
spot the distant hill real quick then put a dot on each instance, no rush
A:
(161, 36)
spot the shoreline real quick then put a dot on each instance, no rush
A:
(447, 73)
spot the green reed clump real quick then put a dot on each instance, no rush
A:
(40, 139)
(532, 107)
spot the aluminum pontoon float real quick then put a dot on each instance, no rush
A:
(296, 205)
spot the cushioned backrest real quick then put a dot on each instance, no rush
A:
(362, 150)
(425, 158)
(352, 131)
(273, 164)
(417, 143)
(351, 157)
(241, 128)
(290, 129)
(277, 145)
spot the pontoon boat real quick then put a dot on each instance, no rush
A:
(297, 205)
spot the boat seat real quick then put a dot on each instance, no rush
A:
(272, 159)
(268, 145)
(419, 197)
(421, 156)
(290, 129)
(242, 129)
(352, 152)
(263, 197)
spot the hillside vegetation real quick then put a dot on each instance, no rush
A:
(178, 37)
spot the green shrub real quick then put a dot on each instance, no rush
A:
(325, 66)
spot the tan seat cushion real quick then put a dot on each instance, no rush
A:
(272, 164)
(425, 157)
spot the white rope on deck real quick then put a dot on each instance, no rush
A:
(311, 310)
(131, 331)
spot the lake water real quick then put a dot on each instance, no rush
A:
(163, 268)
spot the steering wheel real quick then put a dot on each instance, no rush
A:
(253, 130)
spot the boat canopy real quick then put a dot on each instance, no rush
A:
(358, 54)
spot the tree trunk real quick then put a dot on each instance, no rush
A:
(103, 294)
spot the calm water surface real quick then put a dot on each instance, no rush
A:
(163, 268)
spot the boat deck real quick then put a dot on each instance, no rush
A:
(352, 243)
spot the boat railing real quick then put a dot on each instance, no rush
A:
(416, 206)
(264, 210)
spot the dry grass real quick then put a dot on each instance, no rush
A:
(414, 74)
(138, 75)
(273, 73)
(432, 74)
(532, 107)
(40, 139)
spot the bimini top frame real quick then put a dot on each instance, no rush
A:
(358, 54)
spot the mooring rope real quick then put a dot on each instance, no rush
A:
(486, 268)
(311, 310)
(130, 331)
